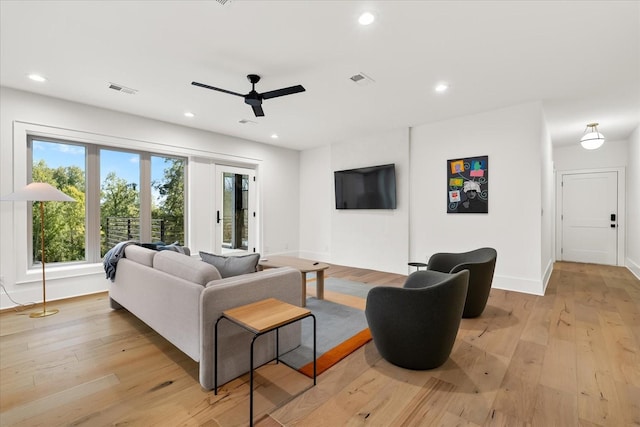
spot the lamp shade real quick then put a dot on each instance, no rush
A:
(592, 139)
(38, 192)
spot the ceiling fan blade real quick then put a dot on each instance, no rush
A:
(257, 110)
(281, 92)
(216, 88)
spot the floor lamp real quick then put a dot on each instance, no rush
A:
(40, 192)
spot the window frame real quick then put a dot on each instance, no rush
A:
(23, 135)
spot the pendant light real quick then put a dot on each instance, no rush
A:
(592, 139)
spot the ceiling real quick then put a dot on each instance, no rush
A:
(581, 59)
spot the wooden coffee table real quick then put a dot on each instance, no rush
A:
(304, 266)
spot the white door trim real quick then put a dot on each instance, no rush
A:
(621, 209)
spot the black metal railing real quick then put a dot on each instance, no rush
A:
(118, 230)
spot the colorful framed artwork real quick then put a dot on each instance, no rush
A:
(468, 185)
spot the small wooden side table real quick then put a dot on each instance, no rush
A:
(260, 318)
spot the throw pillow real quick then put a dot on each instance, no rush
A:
(229, 266)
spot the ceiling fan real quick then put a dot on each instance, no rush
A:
(254, 98)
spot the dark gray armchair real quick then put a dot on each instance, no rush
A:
(481, 264)
(415, 326)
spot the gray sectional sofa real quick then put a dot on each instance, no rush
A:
(181, 297)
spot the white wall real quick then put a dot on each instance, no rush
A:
(633, 204)
(375, 239)
(512, 138)
(520, 190)
(547, 213)
(612, 154)
(277, 169)
(316, 203)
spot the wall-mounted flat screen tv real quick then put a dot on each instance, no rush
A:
(372, 187)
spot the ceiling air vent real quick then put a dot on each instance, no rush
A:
(122, 89)
(223, 2)
(362, 79)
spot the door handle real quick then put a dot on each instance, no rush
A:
(613, 226)
(217, 217)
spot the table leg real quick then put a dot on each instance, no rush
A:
(304, 290)
(314, 349)
(251, 383)
(320, 284)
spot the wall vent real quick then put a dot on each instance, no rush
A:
(123, 89)
(223, 2)
(362, 79)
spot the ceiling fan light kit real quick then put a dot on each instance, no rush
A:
(592, 139)
(253, 98)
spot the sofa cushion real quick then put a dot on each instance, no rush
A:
(140, 255)
(229, 266)
(185, 267)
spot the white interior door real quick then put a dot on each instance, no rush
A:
(235, 210)
(590, 217)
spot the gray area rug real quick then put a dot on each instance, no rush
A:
(335, 324)
(347, 287)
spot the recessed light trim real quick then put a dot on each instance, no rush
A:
(366, 18)
(274, 136)
(189, 114)
(37, 78)
(441, 87)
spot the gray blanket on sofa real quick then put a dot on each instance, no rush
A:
(111, 258)
(113, 255)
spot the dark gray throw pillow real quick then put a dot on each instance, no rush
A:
(232, 265)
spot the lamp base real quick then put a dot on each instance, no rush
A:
(44, 313)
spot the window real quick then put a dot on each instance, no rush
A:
(119, 198)
(167, 202)
(63, 166)
(139, 196)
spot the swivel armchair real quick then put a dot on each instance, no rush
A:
(481, 264)
(415, 326)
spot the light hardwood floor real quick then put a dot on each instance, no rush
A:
(570, 358)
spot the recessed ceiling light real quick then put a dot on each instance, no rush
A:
(274, 136)
(366, 18)
(189, 114)
(441, 87)
(37, 78)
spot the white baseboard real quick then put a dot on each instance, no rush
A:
(547, 276)
(517, 284)
(633, 267)
(316, 256)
